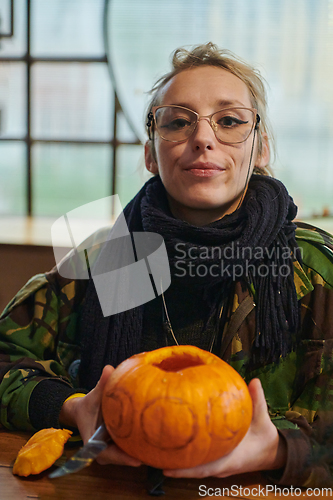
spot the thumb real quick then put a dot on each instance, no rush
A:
(258, 398)
(95, 395)
(106, 374)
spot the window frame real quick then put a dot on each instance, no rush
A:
(28, 140)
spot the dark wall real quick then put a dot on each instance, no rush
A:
(18, 263)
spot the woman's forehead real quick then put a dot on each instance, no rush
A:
(206, 85)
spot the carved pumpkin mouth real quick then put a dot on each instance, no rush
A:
(179, 362)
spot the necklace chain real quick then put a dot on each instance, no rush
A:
(168, 324)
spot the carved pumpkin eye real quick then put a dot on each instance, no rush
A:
(176, 407)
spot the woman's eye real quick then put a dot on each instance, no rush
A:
(230, 121)
(177, 124)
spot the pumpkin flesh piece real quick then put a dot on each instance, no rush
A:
(41, 451)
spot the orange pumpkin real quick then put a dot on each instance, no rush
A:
(176, 407)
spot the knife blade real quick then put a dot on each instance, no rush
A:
(86, 455)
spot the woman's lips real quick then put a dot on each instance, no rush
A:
(204, 169)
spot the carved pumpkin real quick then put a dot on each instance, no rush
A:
(176, 407)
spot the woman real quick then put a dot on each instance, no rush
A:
(241, 286)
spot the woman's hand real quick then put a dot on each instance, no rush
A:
(85, 414)
(261, 448)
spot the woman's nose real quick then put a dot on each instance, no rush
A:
(203, 136)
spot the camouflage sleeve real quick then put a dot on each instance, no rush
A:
(38, 342)
(309, 418)
(299, 389)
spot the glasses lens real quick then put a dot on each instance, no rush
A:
(174, 123)
(233, 125)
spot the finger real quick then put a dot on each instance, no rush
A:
(258, 398)
(114, 455)
(91, 415)
(205, 470)
(197, 473)
(106, 374)
(95, 396)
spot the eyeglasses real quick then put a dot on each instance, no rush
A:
(176, 123)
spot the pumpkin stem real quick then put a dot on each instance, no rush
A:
(179, 362)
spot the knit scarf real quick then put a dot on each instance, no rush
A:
(255, 245)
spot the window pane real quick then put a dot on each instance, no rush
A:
(12, 100)
(67, 176)
(311, 188)
(71, 101)
(16, 45)
(5, 16)
(13, 178)
(131, 172)
(124, 132)
(67, 28)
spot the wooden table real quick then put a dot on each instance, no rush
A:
(99, 482)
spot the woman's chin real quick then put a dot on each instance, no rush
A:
(201, 212)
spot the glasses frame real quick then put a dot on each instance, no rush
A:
(152, 119)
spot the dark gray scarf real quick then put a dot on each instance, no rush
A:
(254, 238)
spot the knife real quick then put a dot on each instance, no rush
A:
(86, 455)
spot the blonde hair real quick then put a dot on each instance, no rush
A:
(210, 55)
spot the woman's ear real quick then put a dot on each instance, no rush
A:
(150, 161)
(263, 159)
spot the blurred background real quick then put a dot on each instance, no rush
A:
(74, 77)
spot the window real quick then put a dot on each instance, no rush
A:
(58, 148)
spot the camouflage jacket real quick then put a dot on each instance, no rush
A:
(39, 344)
